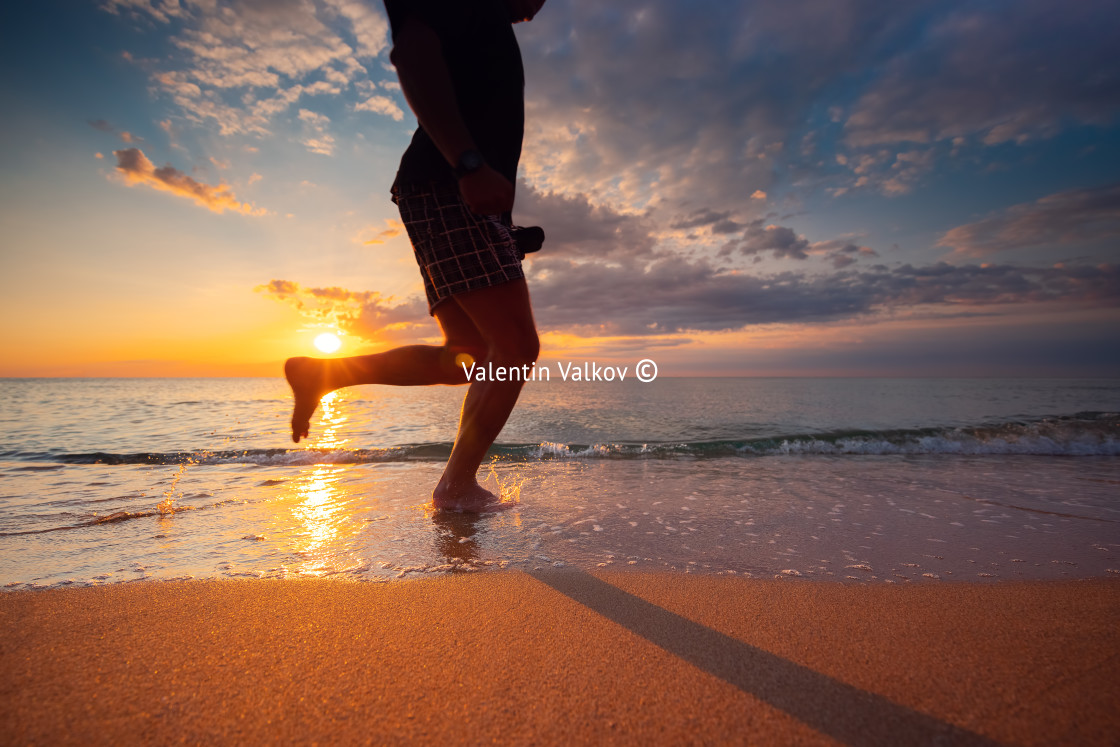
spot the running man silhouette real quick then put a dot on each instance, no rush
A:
(460, 69)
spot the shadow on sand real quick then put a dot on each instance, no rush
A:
(832, 707)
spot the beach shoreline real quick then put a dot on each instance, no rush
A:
(868, 519)
(562, 656)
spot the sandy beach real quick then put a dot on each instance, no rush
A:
(562, 657)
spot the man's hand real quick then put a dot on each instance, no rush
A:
(486, 192)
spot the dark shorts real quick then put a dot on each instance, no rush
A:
(457, 250)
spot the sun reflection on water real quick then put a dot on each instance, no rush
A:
(324, 512)
(331, 420)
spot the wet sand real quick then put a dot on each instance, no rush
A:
(562, 657)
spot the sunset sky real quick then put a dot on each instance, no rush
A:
(785, 187)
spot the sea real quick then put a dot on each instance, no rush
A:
(842, 480)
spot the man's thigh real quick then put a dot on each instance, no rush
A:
(502, 314)
(458, 251)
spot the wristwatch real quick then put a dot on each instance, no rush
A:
(470, 161)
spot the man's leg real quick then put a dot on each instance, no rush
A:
(412, 365)
(490, 325)
(503, 319)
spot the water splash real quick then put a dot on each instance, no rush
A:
(167, 505)
(508, 486)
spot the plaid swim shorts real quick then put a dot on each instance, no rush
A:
(457, 250)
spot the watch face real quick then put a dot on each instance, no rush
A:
(470, 161)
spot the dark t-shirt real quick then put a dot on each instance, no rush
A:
(484, 60)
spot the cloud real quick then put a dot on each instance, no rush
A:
(702, 217)
(282, 289)
(679, 106)
(1004, 72)
(365, 314)
(669, 104)
(380, 105)
(161, 10)
(841, 253)
(907, 168)
(676, 107)
(266, 108)
(670, 296)
(315, 135)
(783, 242)
(246, 61)
(103, 126)
(1043, 345)
(676, 295)
(574, 227)
(886, 171)
(780, 241)
(395, 228)
(976, 76)
(370, 29)
(135, 167)
(1070, 218)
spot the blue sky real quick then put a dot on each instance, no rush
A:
(773, 188)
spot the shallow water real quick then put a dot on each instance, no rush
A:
(854, 480)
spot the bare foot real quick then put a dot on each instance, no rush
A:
(473, 499)
(306, 377)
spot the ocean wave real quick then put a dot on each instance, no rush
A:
(1084, 434)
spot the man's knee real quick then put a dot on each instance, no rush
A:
(516, 350)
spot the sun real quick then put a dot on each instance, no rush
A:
(328, 342)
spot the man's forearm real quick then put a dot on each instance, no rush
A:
(426, 83)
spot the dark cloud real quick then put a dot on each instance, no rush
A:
(841, 253)
(575, 227)
(725, 227)
(1060, 346)
(674, 295)
(1071, 218)
(698, 218)
(780, 241)
(943, 283)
